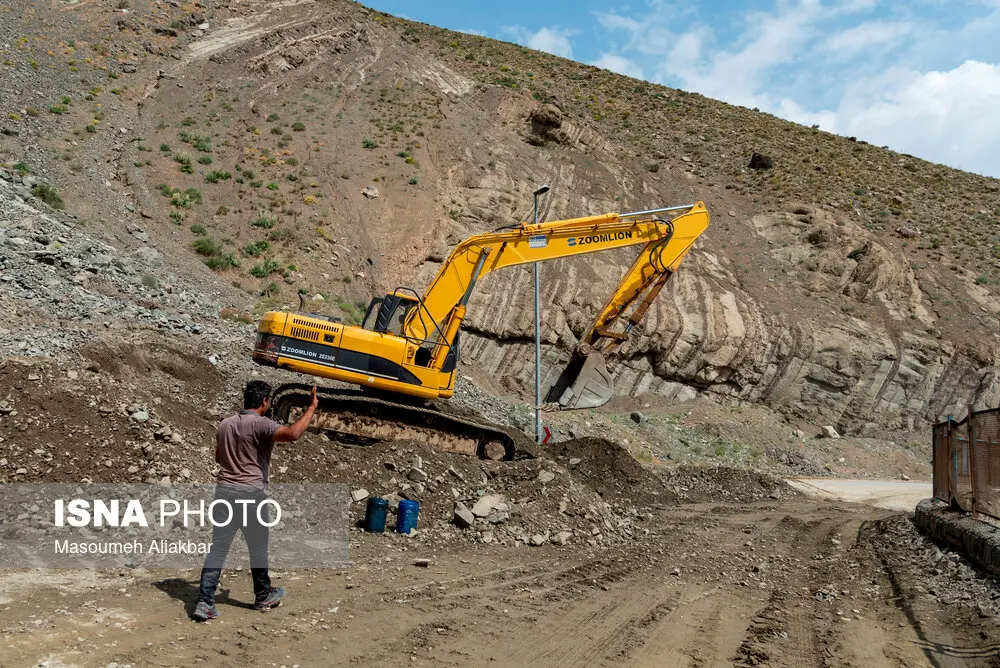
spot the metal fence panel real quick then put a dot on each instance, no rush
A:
(967, 473)
(986, 428)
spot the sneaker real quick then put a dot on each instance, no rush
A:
(272, 600)
(205, 611)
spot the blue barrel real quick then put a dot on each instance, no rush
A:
(406, 516)
(375, 513)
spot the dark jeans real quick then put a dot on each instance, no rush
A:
(255, 534)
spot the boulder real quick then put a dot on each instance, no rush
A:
(485, 505)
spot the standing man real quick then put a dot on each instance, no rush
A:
(243, 445)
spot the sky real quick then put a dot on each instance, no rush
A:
(919, 76)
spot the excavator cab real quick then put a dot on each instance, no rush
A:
(388, 314)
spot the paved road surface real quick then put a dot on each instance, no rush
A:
(891, 494)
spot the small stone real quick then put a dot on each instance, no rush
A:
(574, 461)
(422, 563)
(371, 192)
(141, 416)
(676, 571)
(546, 476)
(417, 475)
(829, 431)
(799, 434)
(562, 537)
(359, 494)
(639, 418)
(904, 477)
(539, 539)
(463, 516)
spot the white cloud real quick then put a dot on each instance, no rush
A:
(850, 42)
(944, 116)
(619, 64)
(552, 40)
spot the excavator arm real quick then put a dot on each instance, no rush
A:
(666, 242)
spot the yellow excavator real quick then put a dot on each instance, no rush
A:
(407, 348)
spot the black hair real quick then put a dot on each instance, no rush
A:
(254, 394)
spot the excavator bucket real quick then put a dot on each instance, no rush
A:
(592, 385)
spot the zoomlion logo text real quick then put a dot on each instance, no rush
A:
(599, 238)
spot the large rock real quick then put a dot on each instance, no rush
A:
(485, 505)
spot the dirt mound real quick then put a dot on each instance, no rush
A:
(695, 484)
(530, 501)
(609, 469)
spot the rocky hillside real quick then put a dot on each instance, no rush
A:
(252, 150)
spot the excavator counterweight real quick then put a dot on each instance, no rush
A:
(408, 344)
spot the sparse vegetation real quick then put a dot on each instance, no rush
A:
(198, 230)
(369, 144)
(265, 222)
(256, 248)
(265, 268)
(218, 175)
(48, 194)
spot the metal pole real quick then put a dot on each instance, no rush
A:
(538, 350)
(541, 190)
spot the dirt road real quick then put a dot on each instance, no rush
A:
(890, 494)
(790, 583)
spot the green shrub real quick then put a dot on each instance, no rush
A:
(248, 173)
(265, 268)
(257, 248)
(217, 175)
(273, 186)
(165, 148)
(198, 230)
(207, 246)
(299, 127)
(264, 222)
(222, 210)
(58, 109)
(205, 159)
(221, 262)
(271, 118)
(48, 194)
(414, 181)
(369, 143)
(291, 161)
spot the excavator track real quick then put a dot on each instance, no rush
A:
(354, 416)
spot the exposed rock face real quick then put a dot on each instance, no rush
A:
(706, 333)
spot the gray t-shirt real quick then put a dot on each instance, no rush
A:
(243, 445)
